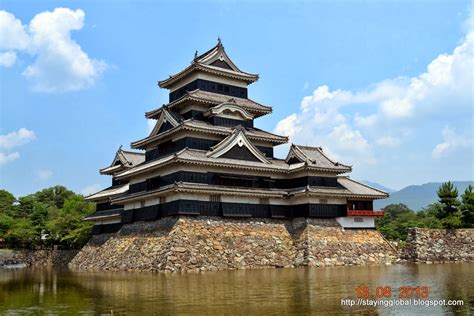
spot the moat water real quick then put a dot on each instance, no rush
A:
(303, 291)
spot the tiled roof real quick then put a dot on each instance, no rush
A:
(134, 158)
(108, 193)
(314, 156)
(104, 214)
(194, 156)
(360, 188)
(214, 99)
(204, 63)
(348, 188)
(204, 189)
(123, 160)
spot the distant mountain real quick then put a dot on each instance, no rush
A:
(378, 186)
(418, 196)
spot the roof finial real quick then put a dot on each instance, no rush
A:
(219, 42)
(196, 54)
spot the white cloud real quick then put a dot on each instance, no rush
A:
(388, 141)
(90, 189)
(7, 59)
(59, 64)
(289, 126)
(14, 139)
(451, 142)
(44, 174)
(6, 158)
(12, 32)
(151, 124)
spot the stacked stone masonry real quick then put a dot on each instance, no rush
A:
(42, 258)
(210, 243)
(440, 245)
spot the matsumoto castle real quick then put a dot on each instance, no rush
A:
(205, 157)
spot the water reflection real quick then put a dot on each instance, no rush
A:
(266, 292)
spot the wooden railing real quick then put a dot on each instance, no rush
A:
(364, 213)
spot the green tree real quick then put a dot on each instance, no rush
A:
(448, 197)
(467, 207)
(5, 223)
(449, 213)
(54, 196)
(22, 234)
(398, 219)
(6, 201)
(66, 225)
(392, 212)
(24, 207)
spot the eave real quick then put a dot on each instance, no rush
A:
(190, 97)
(205, 189)
(220, 163)
(143, 143)
(198, 67)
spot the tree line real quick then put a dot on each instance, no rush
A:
(53, 216)
(451, 211)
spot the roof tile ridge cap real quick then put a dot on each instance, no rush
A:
(133, 152)
(206, 53)
(178, 153)
(298, 148)
(121, 153)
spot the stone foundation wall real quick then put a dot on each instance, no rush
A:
(56, 258)
(439, 245)
(326, 243)
(208, 243)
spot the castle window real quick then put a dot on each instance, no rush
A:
(358, 220)
(323, 201)
(215, 198)
(162, 199)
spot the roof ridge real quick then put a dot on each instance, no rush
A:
(208, 51)
(262, 130)
(133, 152)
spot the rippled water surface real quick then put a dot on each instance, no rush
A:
(244, 292)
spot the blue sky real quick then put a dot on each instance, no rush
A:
(385, 86)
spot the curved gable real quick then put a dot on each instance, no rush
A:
(239, 145)
(165, 122)
(230, 109)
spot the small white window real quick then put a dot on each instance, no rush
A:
(358, 220)
(323, 201)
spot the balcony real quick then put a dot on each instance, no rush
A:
(364, 213)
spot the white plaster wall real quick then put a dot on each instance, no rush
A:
(107, 221)
(348, 222)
